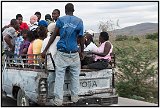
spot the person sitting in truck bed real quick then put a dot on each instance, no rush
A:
(32, 35)
(53, 48)
(89, 46)
(9, 36)
(25, 44)
(103, 53)
(37, 44)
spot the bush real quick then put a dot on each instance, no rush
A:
(121, 38)
(136, 39)
(135, 80)
(153, 36)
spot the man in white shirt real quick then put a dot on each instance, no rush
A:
(90, 46)
(53, 47)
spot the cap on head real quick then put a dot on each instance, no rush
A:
(51, 27)
(90, 32)
(69, 7)
(43, 23)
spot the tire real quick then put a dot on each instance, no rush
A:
(22, 100)
(4, 95)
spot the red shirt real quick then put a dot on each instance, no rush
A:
(23, 26)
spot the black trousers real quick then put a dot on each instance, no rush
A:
(99, 64)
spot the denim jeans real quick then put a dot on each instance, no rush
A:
(62, 61)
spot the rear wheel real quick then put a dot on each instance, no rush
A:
(22, 100)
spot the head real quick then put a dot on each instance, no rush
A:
(31, 36)
(103, 37)
(51, 27)
(90, 32)
(15, 24)
(42, 32)
(69, 8)
(38, 14)
(19, 18)
(24, 33)
(88, 39)
(48, 16)
(33, 19)
(43, 23)
(55, 14)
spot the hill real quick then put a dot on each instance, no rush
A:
(139, 29)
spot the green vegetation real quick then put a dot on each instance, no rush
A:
(137, 65)
(153, 36)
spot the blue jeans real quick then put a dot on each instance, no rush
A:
(62, 61)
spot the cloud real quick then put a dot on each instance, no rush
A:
(128, 13)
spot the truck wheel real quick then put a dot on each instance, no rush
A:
(4, 95)
(22, 100)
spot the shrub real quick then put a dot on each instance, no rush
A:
(153, 36)
(135, 80)
(136, 39)
(121, 38)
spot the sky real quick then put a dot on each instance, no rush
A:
(92, 13)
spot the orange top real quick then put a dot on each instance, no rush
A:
(37, 45)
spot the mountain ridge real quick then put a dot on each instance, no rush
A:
(138, 29)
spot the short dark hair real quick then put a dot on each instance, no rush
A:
(48, 16)
(18, 15)
(104, 35)
(31, 35)
(24, 31)
(69, 7)
(57, 10)
(37, 13)
(13, 22)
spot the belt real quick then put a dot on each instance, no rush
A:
(68, 52)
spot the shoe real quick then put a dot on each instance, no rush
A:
(56, 102)
(74, 99)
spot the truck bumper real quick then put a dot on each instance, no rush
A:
(91, 101)
(96, 101)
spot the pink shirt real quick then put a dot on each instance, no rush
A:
(101, 50)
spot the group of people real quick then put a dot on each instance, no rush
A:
(22, 38)
(63, 38)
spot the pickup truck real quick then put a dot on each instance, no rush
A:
(28, 83)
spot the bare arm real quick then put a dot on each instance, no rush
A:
(81, 42)
(106, 50)
(25, 51)
(7, 39)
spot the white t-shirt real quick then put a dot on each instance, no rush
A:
(91, 47)
(12, 33)
(52, 49)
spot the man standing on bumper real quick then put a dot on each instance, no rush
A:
(71, 29)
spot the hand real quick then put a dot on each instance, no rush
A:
(12, 49)
(43, 54)
(81, 54)
(89, 52)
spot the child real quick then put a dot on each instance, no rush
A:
(25, 44)
(18, 42)
(31, 37)
(37, 44)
